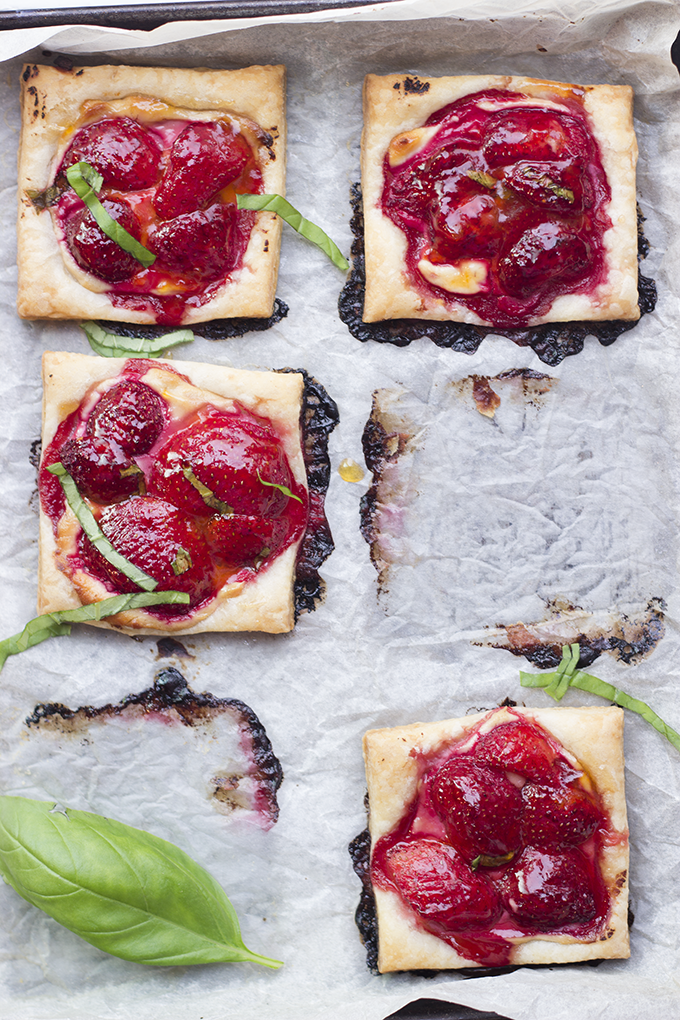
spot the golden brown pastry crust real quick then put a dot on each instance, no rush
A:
(51, 285)
(592, 737)
(264, 604)
(392, 107)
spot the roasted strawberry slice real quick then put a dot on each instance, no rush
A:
(540, 256)
(224, 462)
(548, 890)
(537, 135)
(558, 817)
(101, 471)
(97, 253)
(197, 244)
(480, 808)
(121, 150)
(519, 747)
(158, 539)
(130, 414)
(205, 157)
(439, 885)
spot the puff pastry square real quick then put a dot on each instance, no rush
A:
(469, 181)
(162, 101)
(407, 768)
(258, 595)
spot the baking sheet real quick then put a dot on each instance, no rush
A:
(362, 659)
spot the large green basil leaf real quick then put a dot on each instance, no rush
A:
(124, 890)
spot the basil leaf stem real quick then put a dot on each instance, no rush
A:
(58, 624)
(277, 204)
(111, 345)
(94, 532)
(121, 889)
(557, 683)
(86, 182)
(282, 488)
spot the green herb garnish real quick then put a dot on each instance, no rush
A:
(206, 494)
(58, 624)
(86, 183)
(543, 180)
(557, 683)
(182, 562)
(123, 890)
(481, 178)
(94, 532)
(281, 488)
(277, 204)
(111, 345)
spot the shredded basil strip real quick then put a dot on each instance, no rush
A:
(111, 345)
(121, 889)
(557, 683)
(206, 494)
(282, 488)
(86, 182)
(94, 532)
(58, 624)
(277, 204)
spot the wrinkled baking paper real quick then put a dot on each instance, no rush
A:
(574, 499)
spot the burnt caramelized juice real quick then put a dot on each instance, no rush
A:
(502, 841)
(172, 185)
(196, 502)
(502, 198)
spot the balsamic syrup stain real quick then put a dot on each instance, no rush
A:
(168, 647)
(551, 342)
(217, 329)
(172, 698)
(627, 638)
(320, 416)
(384, 440)
(365, 915)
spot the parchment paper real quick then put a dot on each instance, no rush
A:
(599, 529)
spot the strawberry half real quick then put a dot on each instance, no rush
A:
(158, 539)
(205, 157)
(97, 253)
(130, 414)
(549, 889)
(481, 810)
(101, 471)
(558, 817)
(519, 747)
(121, 150)
(440, 886)
(238, 460)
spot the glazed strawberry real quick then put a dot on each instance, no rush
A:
(467, 227)
(439, 885)
(541, 255)
(519, 747)
(130, 414)
(244, 541)
(549, 889)
(158, 539)
(124, 153)
(556, 186)
(196, 244)
(558, 817)
(480, 808)
(238, 461)
(101, 471)
(97, 253)
(532, 134)
(205, 157)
